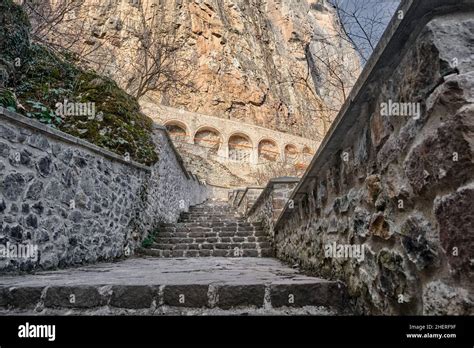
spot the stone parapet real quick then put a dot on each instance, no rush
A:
(269, 204)
(78, 203)
(386, 204)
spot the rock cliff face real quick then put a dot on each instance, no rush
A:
(248, 59)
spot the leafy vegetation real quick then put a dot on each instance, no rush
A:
(148, 241)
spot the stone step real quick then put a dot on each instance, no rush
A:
(210, 234)
(202, 253)
(211, 240)
(210, 220)
(156, 286)
(222, 224)
(217, 216)
(208, 246)
(210, 230)
(208, 211)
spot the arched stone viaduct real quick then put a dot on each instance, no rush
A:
(232, 140)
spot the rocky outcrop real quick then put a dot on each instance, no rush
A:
(248, 60)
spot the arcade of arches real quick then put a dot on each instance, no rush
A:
(239, 147)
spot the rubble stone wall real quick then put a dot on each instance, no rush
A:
(397, 185)
(78, 203)
(268, 206)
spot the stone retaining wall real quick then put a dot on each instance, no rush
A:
(398, 188)
(78, 203)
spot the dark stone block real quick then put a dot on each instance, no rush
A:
(204, 253)
(4, 297)
(14, 209)
(25, 158)
(25, 297)
(38, 141)
(16, 232)
(38, 208)
(456, 229)
(420, 251)
(132, 297)
(73, 297)
(231, 296)
(25, 208)
(330, 294)
(177, 253)
(80, 162)
(4, 150)
(32, 221)
(192, 296)
(7, 133)
(442, 159)
(13, 186)
(267, 253)
(44, 166)
(250, 253)
(75, 216)
(393, 278)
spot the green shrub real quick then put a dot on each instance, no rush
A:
(148, 241)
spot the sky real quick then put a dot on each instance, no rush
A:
(366, 21)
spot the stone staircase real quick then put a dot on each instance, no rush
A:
(178, 276)
(210, 230)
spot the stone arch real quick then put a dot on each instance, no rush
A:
(268, 150)
(307, 150)
(178, 130)
(291, 153)
(307, 154)
(209, 138)
(240, 147)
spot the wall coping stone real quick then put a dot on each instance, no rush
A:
(247, 190)
(62, 136)
(57, 134)
(269, 187)
(170, 142)
(396, 40)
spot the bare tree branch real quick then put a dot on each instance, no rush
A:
(160, 65)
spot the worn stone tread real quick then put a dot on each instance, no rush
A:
(150, 283)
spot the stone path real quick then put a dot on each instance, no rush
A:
(166, 285)
(211, 229)
(160, 285)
